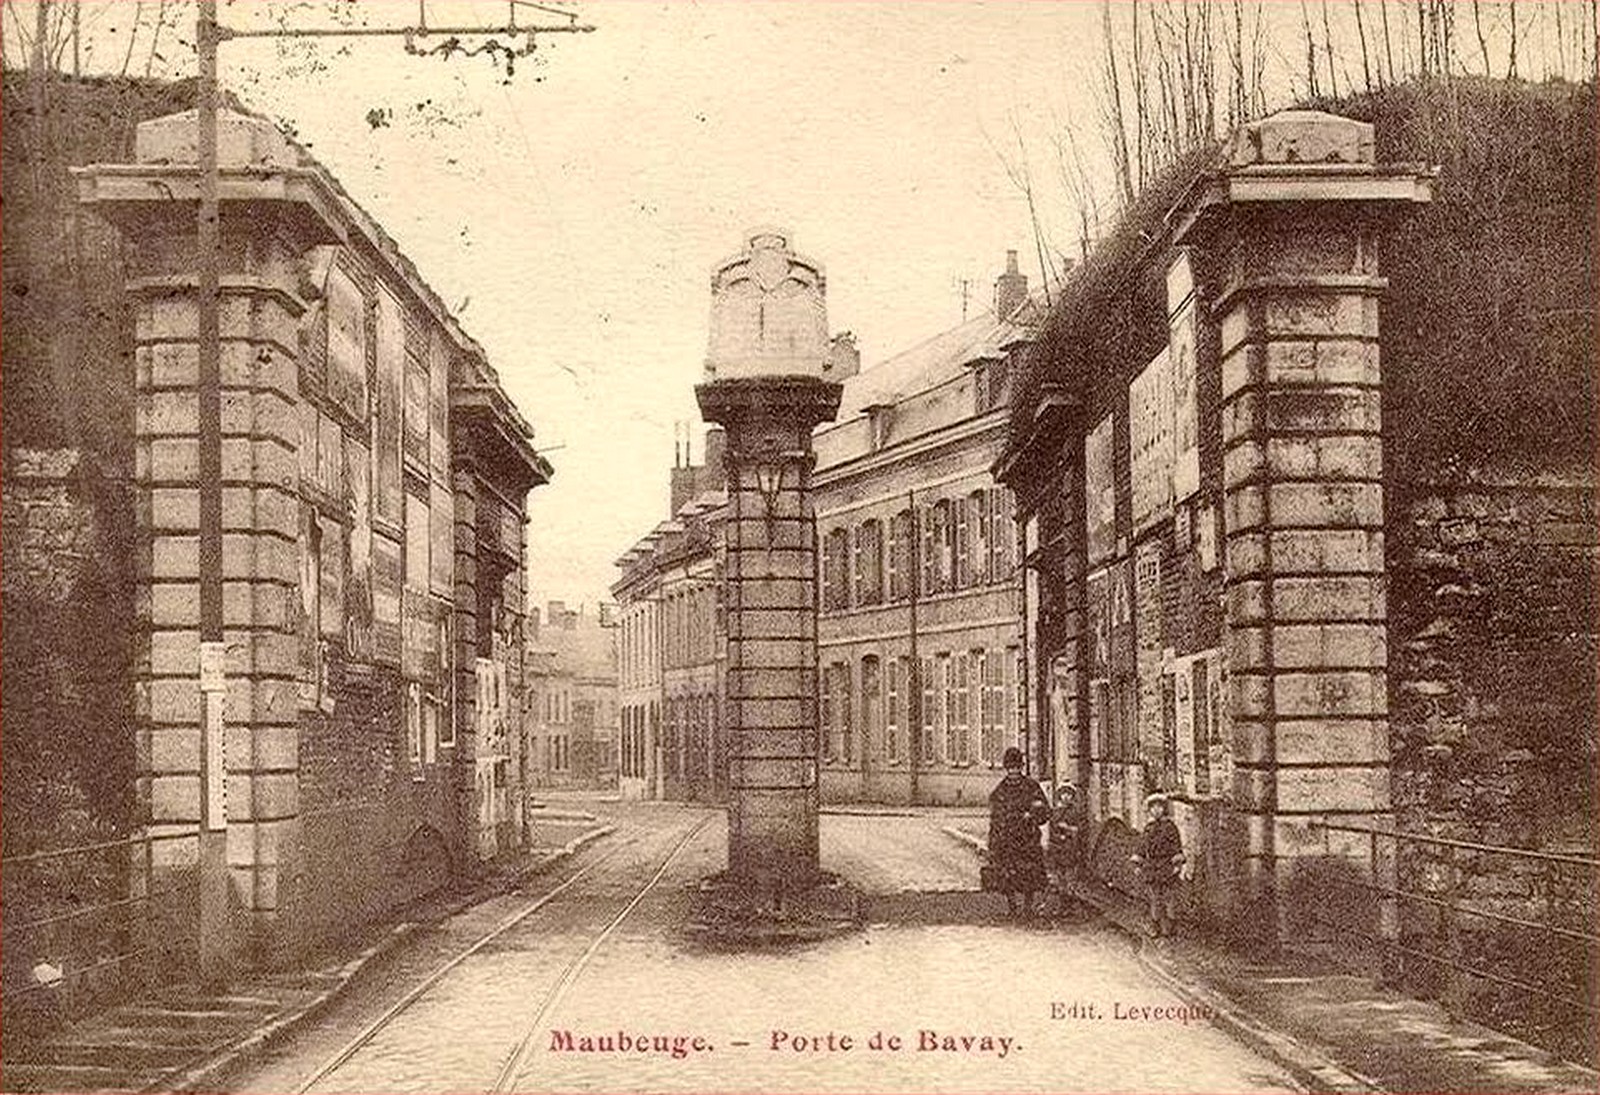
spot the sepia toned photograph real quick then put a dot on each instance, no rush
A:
(799, 546)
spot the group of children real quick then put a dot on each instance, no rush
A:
(1017, 867)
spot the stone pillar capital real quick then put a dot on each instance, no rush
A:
(796, 402)
(1294, 159)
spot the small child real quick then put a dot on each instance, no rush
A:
(1159, 860)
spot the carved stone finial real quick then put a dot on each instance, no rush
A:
(1303, 136)
(768, 313)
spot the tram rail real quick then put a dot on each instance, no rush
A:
(517, 1059)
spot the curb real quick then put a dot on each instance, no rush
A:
(203, 1076)
(1311, 1069)
(971, 840)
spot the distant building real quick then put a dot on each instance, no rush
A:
(671, 745)
(570, 703)
(921, 671)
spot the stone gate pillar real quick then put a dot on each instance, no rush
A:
(766, 386)
(273, 212)
(1291, 226)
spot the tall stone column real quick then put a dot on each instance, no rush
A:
(767, 386)
(1293, 225)
(770, 598)
(273, 213)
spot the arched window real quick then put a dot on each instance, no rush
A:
(871, 704)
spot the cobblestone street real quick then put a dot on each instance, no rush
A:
(972, 1005)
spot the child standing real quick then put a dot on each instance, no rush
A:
(1159, 859)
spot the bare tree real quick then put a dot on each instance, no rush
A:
(1113, 117)
(1311, 51)
(1361, 32)
(1483, 42)
(1511, 65)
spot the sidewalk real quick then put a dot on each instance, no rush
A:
(1335, 1031)
(181, 1037)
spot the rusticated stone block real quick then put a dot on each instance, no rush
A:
(1315, 410)
(174, 700)
(173, 460)
(167, 365)
(1347, 551)
(1311, 313)
(174, 653)
(757, 714)
(1331, 599)
(793, 741)
(1332, 741)
(175, 798)
(176, 749)
(1330, 694)
(1337, 645)
(1249, 647)
(1357, 456)
(1319, 790)
(773, 653)
(1248, 696)
(175, 604)
(166, 413)
(1247, 602)
(1244, 508)
(1321, 505)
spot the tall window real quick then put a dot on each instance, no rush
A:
(947, 686)
(947, 544)
(869, 563)
(871, 703)
(894, 712)
(993, 708)
(932, 537)
(961, 721)
(838, 555)
(847, 743)
(902, 555)
(930, 710)
(961, 569)
(829, 715)
(1001, 534)
(978, 517)
(891, 560)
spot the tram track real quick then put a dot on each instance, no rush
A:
(516, 1060)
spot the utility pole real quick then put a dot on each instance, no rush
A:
(213, 935)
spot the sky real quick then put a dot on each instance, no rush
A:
(571, 215)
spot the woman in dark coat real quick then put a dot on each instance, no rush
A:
(1017, 809)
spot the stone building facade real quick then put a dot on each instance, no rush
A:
(921, 672)
(1279, 566)
(374, 477)
(919, 638)
(570, 708)
(673, 644)
(1204, 522)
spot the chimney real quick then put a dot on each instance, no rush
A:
(681, 489)
(1010, 288)
(844, 360)
(713, 476)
